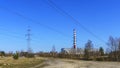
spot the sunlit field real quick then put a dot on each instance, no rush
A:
(39, 62)
(9, 62)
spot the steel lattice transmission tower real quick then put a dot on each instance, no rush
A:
(28, 35)
(53, 49)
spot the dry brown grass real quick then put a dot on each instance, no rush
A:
(9, 62)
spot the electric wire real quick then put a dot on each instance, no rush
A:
(62, 12)
(34, 21)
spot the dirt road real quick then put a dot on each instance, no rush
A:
(64, 63)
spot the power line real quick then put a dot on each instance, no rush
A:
(14, 34)
(33, 21)
(62, 12)
(9, 32)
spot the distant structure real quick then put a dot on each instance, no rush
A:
(74, 49)
(53, 49)
(28, 35)
(74, 38)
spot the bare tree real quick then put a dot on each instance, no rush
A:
(53, 51)
(114, 47)
(88, 49)
(119, 49)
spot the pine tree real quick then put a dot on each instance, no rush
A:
(101, 51)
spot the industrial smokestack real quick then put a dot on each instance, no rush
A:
(74, 38)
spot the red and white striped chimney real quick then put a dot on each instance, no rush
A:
(74, 38)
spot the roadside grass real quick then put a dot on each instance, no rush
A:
(43, 65)
(70, 61)
(22, 62)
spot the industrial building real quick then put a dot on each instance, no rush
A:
(74, 49)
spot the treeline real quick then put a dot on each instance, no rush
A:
(89, 54)
(17, 54)
(112, 53)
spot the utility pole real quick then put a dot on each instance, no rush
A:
(28, 35)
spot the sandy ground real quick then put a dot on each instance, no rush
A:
(7, 62)
(64, 63)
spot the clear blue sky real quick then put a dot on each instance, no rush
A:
(101, 17)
